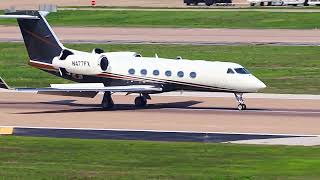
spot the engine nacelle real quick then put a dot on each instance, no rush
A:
(85, 64)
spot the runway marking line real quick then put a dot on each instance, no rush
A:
(8, 130)
(248, 110)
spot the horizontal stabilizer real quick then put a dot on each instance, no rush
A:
(19, 17)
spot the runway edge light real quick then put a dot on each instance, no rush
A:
(6, 130)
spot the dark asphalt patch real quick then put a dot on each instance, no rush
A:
(141, 135)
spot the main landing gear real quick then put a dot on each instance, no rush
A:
(241, 105)
(107, 102)
(141, 101)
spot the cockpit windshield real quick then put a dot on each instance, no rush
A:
(241, 71)
(230, 71)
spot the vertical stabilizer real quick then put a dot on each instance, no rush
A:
(41, 42)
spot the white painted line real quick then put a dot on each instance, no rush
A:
(247, 95)
(164, 131)
(244, 111)
(292, 141)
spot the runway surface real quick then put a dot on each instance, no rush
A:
(164, 113)
(174, 35)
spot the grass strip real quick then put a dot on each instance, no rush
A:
(40, 158)
(183, 19)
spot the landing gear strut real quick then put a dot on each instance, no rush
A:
(241, 105)
(107, 102)
(141, 101)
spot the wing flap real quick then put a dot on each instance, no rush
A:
(88, 94)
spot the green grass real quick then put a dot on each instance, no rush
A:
(183, 19)
(51, 158)
(285, 69)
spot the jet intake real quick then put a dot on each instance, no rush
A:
(84, 64)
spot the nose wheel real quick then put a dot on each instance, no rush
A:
(241, 105)
(107, 102)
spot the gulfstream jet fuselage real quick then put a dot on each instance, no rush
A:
(129, 72)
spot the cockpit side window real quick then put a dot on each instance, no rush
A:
(230, 71)
(241, 71)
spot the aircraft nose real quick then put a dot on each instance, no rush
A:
(260, 85)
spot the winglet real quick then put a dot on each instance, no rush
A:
(3, 84)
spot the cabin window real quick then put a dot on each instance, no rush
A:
(230, 71)
(168, 73)
(143, 71)
(131, 71)
(193, 75)
(180, 74)
(241, 71)
(156, 72)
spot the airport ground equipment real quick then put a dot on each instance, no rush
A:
(208, 2)
(284, 2)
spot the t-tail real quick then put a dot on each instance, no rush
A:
(41, 42)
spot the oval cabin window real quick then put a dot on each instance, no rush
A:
(131, 71)
(180, 74)
(168, 73)
(156, 72)
(143, 72)
(193, 75)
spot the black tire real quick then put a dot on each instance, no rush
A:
(252, 4)
(140, 101)
(242, 107)
(107, 102)
(188, 2)
(269, 4)
(106, 105)
(209, 2)
(261, 3)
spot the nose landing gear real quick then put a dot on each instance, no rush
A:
(241, 105)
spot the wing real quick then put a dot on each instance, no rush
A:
(89, 87)
(84, 89)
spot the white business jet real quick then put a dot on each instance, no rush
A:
(111, 72)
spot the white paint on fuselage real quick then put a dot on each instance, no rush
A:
(208, 73)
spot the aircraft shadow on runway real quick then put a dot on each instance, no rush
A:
(77, 107)
(72, 106)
